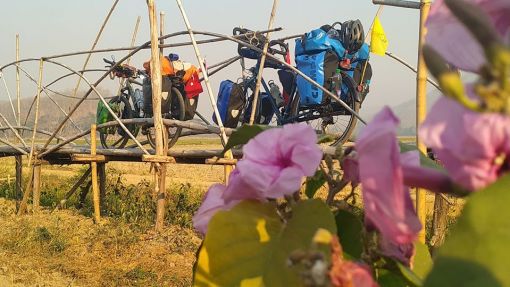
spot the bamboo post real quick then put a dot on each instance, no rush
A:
(74, 188)
(204, 71)
(161, 30)
(19, 176)
(421, 110)
(18, 158)
(261, 65)
(159, 170)
(96, 40)
(26, 193)
(93, 167)
(228, 154)
(133, 39)
(18, 89)
(37, 187)
(101, 170)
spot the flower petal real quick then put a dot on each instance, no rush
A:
(385, 197)
(466, 142)
(454, 42)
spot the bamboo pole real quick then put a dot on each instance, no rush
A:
(261, 64)
(24, 201)
(421, 110)
(73, 189)
(93, 168)
(96, 40)
(9, 95)
(146, 46)
(159, 170)
(161, 30)
(401, 61)
(367, 40)
(204, 72)
(18, 85)
(133, 39)
(19, 176)
(13, 130)
(44, 90)
(37, 187)
(93, 88)
(44, 132)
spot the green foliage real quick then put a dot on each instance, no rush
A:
(251, 244)
(422, 260)
(243, 134)
(476, 252)
(350, 232)
(314, 182)
(386, 278)
(425, 161)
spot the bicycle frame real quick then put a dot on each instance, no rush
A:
(283, 117)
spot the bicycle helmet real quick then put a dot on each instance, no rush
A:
(352, 35)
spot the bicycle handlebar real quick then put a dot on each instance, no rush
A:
(258, 40)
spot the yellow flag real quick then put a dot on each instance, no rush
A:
(378, 41)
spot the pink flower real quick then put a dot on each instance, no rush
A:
(473, 147)
(212, 203)
(387, 202)
(275, 161)
(347, 273)
(454, 41)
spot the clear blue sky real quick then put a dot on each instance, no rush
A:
(58, 26)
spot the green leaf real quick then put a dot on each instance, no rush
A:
(314, 182)
(476, 252)
(250, 244)
(243, 134)
(422, 260)
(386, 278)
(411, 277)
(425, 161)
(350, 230)
(325, 139)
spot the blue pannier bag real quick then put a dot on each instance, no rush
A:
(265, 111)
(230, 103)
(319, 67)
(317, 41)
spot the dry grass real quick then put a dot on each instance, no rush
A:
(68, 249)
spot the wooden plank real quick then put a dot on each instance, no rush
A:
(221, 161)
(158, 158)
(88, 158)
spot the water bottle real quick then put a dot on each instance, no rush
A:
(336, 83)
(275, 93)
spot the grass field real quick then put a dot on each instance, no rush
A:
(65, 247)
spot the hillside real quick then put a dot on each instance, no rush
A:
(50, 114)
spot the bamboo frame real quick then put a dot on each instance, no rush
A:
(262, 64)
(36, 188)
(49, 97)
(93, 168)
(204, 72)
(161, 139)
(421, 111)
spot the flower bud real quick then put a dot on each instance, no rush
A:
(448, 79)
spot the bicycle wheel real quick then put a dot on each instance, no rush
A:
(177, 112)
(333, 119)
(116, 137)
